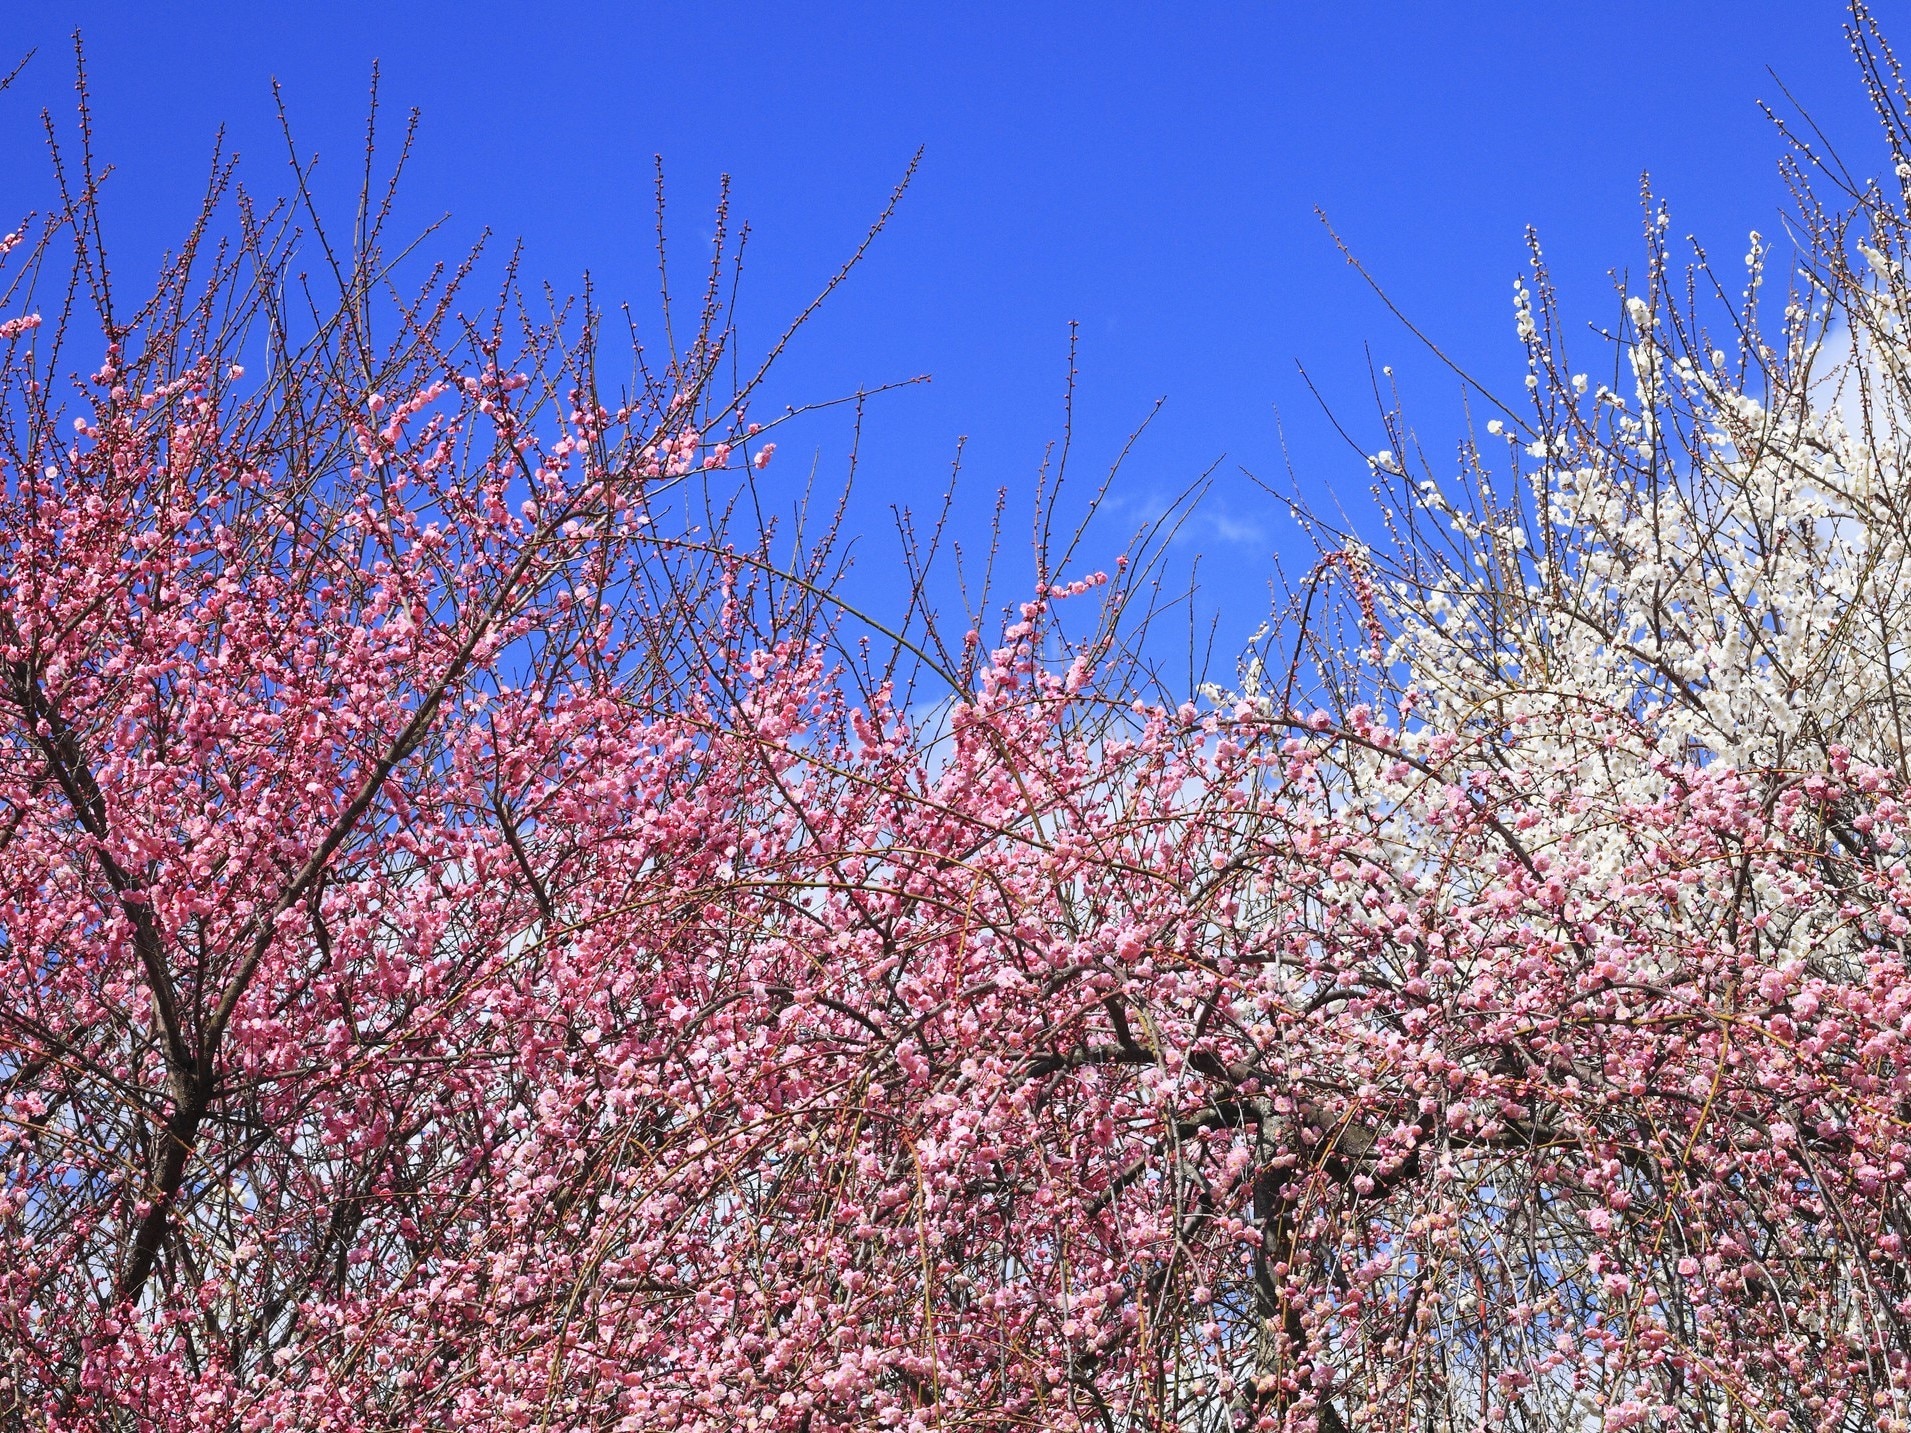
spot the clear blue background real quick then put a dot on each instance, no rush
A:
(1151, 171)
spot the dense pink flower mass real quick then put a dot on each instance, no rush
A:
(480, 952)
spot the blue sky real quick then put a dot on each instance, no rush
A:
(1150, 171)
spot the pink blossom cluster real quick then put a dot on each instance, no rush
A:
(483, 949)
(413, 1021)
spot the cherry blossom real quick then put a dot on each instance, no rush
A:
(484, 949)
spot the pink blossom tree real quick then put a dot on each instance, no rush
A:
(478, 955)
